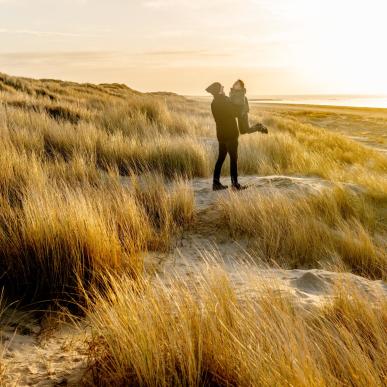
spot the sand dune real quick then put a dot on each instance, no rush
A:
(65, 216)
(35, 357)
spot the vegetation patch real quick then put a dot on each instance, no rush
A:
(178, 334)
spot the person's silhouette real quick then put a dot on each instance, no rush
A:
(227, 132)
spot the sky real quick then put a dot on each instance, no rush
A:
(277, 47)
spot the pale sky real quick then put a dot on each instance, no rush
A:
(275, 46)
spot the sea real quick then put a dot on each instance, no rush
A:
(326, 100)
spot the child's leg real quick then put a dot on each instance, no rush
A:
(259, 127)
(243, 123)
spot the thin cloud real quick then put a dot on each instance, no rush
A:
(46, 33)
(198, 4)
(54, 58)
(184, 53)
(103, 56)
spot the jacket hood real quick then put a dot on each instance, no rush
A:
(214, 88)
(241, 91)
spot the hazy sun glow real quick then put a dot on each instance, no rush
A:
(277, 46)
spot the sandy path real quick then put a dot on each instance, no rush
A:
(203, 245)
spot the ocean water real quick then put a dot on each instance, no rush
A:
(328, 100)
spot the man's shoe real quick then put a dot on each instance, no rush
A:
(263, 129)
(260, 128)
(238, 187)
(217, 186)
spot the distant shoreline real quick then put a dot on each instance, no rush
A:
(355, 103)
(382, 110)
(364, 102)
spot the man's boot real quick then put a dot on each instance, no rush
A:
(218, 186)
(238, 187)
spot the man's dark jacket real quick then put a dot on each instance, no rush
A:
(225, 112)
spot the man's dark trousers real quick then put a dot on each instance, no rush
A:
(230, 147)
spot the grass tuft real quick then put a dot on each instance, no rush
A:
(298, 230)
(180, 334)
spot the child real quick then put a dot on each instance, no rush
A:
(238, 98)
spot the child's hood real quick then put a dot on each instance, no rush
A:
(238, 91)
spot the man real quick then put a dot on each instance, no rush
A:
(225, 114)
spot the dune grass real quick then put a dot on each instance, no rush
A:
(205, 334)
(106, 149)
(65, 215)
(93, 176)
(367, 125)
(64, 212)
(126, 130)
(299, 230)
(296, 148)
(55, 237)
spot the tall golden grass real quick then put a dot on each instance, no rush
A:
(65, 214)
(298, 230)
(203, 333)
(54, 237)
(126, 130)
(92, 176)
(367, 125)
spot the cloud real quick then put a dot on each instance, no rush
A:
(198, 4)
(45, 33)
(62, 58)
(100, 59)
(15, 2)
(185, 53)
